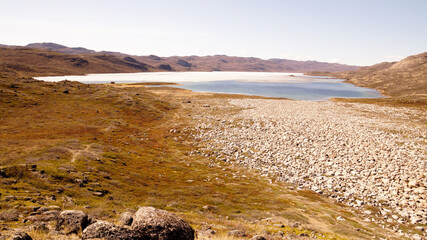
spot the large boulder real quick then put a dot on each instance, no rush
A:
(72, 221)
(110, 231)
(161, 225)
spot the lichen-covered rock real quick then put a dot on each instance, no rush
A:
(126, 218)
(110, 231)
(72, 221)
(161, 225)
(45, 216)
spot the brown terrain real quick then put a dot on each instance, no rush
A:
(107, 149)
(404, 80)
(35, 62)
(110, 148)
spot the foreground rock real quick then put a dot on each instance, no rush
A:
(148, 224)
(160, 224)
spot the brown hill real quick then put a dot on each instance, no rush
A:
(229, 63)
(212, 63)
(38, 62)
(404, 79)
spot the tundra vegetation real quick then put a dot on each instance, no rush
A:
(112, 148)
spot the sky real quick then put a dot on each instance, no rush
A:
(357, 32)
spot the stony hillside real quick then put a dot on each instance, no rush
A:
(404, 79)
(211, 63)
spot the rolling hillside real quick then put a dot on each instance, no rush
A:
(36, 62)
(210, 63)
(404, 79)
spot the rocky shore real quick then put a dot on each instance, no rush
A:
(359, 154)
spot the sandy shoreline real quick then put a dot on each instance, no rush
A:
(359, 154)
(182, 77)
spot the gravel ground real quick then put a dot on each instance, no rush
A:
(358, 154)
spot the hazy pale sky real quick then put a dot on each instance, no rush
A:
(360, 32)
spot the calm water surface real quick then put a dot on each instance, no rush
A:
(315, 91)
(287, 85)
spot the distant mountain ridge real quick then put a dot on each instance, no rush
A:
(251, 64)
(406, 79)
(23, 61)
(60, 48)
(210, 63)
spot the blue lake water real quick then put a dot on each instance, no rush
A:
(287, 85)
(315, 91)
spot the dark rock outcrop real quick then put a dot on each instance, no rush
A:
(77, 61)
(166, 67)
(183, 63)
(129, 59)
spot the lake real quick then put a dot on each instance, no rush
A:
(287, 85)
